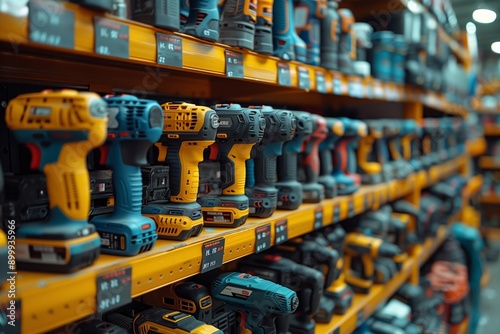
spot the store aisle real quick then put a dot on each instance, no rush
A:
(490, 301)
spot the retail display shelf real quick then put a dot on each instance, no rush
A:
(476, 147)
(137, 67)
(489, 162)
(473, 186)
(442, 171)
(69, 297)
(491, 130)
(364, 305)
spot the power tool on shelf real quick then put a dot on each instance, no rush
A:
(258, 301)
(104, 5)
(287, 44)
(187, 130)
(187, 297)
(360, 251)
(237, 23)
(344, 158)
(157, 13)
(430, 128)
(339, 291)
(335, 130)
(401, 168)
(261, 168)
(59, 128)
(202, 19)
(290, 195)
(410, 145)
(347, 41)
(263, 40)
(308, 16)
(370, 163)
(362, 32)
(329, 34)
(155, 184)
(306, 282)
(239, 130)
(381, 55)
(417, 218)
(308, 162)
(94, 326)
(393, 318)
(134, 125)
(139, 318)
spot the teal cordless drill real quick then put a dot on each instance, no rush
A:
(287, 44)
(308, 16)
(261, 168)
(200, 18)
(134, 126)
(335, 130)
(289, 189)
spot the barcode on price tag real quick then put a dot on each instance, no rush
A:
(169, 50)
(114, 289)
(111, 38)
(212, 254)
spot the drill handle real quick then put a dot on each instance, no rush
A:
(287, 167)
(351, 156)
(325, 161)
(311, 163)
(262, 324)
(265, 169)
(250, 165)
(233, 167)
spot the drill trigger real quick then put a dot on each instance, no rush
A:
(36, 155)
(243, 319)
(214, 151)
(104, 154)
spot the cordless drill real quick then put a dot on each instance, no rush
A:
(308, 162)
(401, 167)
(306, 282)
(335, 130)
(369, 163)
(261, 168)
(187, 130)
(239, 130)
(263, 40)
(202, 20)
(187, 297)
(290, 195)
(339, 291)
(139, 319)
(259, 301)
(287, 44)
(347, 41)
(308, 16)
(409, 143)
(417, 218)
(330, 32)
(237, 23)
(389, 167)
(59, 128)
(134, 126)
(365, 249)
(344, 157)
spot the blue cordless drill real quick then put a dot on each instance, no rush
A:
(134, 126)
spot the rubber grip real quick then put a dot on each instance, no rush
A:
(351, 156)
(281, 12)
(258, 326)
(250, 165)
(287, 167)
(127, 186)
(183, 163)
(265, 170)
(233, 167)
(325, 162)
(68, 182)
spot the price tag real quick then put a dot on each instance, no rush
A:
(318, 218)
(114, 289)
(320, 82)
(304, 79)
(280, 231)
(355, 89)
(111, 38)
(284, 76)
(51, 24)
(369, 90)
(262, 238)
(10, 313)
(337, 89)
(168, 50)
(234, 64)
(212, 254)
(378, 91)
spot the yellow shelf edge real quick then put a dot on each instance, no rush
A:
(489, 162)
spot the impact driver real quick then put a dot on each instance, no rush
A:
(237, 23)
(258, 301)
(308, 16)
(239, 130)
(308, 162)
(335, 130)
(59, 128)
(202, 20)
(363, 250)
(289, 189)
(261, 168)
(134, 125)
(344, 156)
(187, 130)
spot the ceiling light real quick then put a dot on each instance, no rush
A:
(484, 15)
(495, 47)
(470, 27)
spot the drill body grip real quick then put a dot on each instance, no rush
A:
(233, 172)
(287, 165)
(236, 9)
(265, 164)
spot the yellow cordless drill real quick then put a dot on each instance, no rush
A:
(187, 131)
(59, 128)
(369, 164)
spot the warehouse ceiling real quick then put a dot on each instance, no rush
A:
(486, 33)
